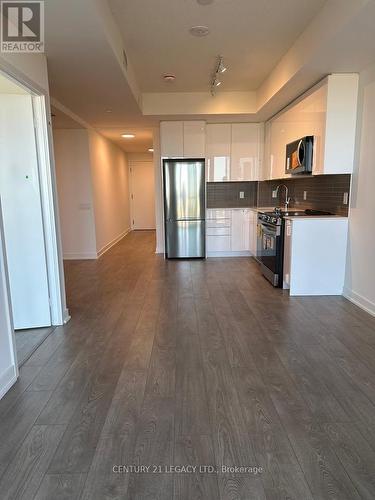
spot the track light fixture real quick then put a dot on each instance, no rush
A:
(219, 69)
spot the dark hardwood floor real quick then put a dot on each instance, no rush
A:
(192, 363)
(29, 340)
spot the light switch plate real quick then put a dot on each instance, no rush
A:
(84, 206)
(242, 195)
(274, 194)
(345, 198)
(305, 195)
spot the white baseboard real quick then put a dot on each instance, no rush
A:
(359, 301)
(67, 316)
(7, 379)
(109, 245)
(80, 256)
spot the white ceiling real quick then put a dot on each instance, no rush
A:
(251, 35)
(278, 47)
(140, 144)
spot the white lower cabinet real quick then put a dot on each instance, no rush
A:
(315, 255)
(240, 230)
(231, 232)
(253, 226)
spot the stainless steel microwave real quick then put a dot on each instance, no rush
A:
(299, 156)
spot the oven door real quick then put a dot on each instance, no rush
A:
(269, 251)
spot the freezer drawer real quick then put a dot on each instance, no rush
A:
(185, 239)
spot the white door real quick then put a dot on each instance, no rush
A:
(22, 214)
(142, 194)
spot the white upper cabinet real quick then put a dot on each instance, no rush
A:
(183, 139)
(172, 139)
(267, 158)
(245, 165)
(195, 139)
(233, 151)
(340, 124)
(218, 146)
(328, 112)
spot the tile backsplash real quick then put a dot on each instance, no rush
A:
(227, 194)
(323, 192)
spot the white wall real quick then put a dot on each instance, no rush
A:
(72, 158)
(360, 272)
(110, 183)
(93, 189)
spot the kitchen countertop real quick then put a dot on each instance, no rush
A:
(304, 217)
(294, 217)
(233, 208)
(288, 217)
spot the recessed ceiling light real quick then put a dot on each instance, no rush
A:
(128, 136)
(108, 111)
(169, 77)
(205, 2)
(199, 31)
(151, 150)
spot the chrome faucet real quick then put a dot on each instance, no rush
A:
(287, 197)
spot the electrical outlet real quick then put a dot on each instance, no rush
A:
(242, 195)
(345, 198)
(274, 194)
(305, 195)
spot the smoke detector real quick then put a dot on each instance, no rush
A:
(199, 31)
(169, 77)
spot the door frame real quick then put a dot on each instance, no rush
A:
(48, 194)
(132, 164)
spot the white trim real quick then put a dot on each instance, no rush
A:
(43, 140)
(7, 379)
(4, 283)
(81, 256)
(359, 301)
(113, 242)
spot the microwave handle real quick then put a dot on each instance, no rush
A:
(298, 150)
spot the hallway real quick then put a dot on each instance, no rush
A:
(192, 363)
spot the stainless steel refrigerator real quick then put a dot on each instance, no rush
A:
(184, 208)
